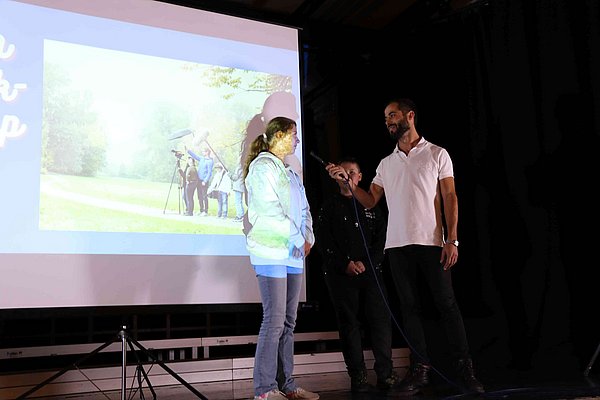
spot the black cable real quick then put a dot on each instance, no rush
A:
(420, 356)
(354, 202)
(465, 392)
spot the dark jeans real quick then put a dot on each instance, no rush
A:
(188, 192)
(203, 196)
(347, 294)
(405, 263)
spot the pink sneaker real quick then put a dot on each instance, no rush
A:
(272, 395)
(300, 393)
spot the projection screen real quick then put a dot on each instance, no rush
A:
(102, 103)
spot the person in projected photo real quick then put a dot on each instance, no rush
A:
(237, 185)
(189, 180)
(351, 239)
(278, 238)
(421, 240)
(219, 188)
(205, 170)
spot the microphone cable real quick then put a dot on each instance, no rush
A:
(384, 297)
(496, 394)
(464, 391)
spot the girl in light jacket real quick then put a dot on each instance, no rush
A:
(279, 237)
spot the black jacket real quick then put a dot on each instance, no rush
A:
(339, 238)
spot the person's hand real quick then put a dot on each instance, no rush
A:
(297, 253)
(303, 252)
(337, 172)
(355, 268)
(203, 183)
(307, 248)
(449, 256)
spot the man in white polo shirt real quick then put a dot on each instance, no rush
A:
(418, 180)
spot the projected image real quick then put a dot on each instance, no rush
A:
(135, 143)
(122, 135)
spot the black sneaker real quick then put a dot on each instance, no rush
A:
(467, 375)
(359, 383)
(416, 379)
(388, 383)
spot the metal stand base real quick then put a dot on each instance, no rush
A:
(140, 373)
(592, 360)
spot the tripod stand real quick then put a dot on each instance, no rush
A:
(177, 168)
(125, 340)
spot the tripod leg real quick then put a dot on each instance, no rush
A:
(591, 363)
(177, 165)
(169, 370)
(138, 374)
(123, 362)
(141, 372)
(64, 370)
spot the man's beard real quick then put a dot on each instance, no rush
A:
(401, 128)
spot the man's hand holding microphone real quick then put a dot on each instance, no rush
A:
(335, 171)
(339, 174)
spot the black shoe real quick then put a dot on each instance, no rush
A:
(359, 383)
(466, 374)
(416, 378)
(388, 383)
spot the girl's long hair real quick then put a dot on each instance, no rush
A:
(265, 142)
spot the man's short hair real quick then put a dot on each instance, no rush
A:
(405, 105)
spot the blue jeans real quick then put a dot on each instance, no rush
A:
(223, 204)
(239, 203)
(274, 358)
(405, 264)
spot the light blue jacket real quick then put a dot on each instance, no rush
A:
(205, 166)
(278, 212)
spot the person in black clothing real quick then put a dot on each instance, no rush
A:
(190, 182)
(353, 276)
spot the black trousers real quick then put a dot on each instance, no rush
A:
(203, 196)
(348, 293)
(188, 192)
(405, 263)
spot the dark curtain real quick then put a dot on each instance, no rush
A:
(512, 90)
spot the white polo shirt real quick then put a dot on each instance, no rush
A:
(412, 192)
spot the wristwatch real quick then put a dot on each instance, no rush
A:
(454, 242)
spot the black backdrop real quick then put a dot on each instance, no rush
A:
(511, 89)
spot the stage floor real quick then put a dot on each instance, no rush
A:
(335, 386)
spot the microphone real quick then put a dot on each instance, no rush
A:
(325, 164)
(201, 137)
(319, 159)
(180, 134)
